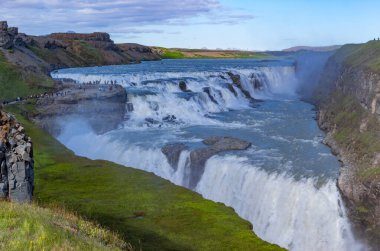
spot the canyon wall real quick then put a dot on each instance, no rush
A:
(349, 110)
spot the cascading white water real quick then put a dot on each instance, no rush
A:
(281, 209)
(267, 185)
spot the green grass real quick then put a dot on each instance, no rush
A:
(174, 218)
(29, 227)
(207, 54)
(169, 54)
(13, 84)
(363, 56)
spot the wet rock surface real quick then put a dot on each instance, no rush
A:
(172, 152)
(16, 161)
(236, 80)
(216, 145)
(199, 157)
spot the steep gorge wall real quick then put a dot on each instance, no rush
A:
(16, 161)
(348, 101)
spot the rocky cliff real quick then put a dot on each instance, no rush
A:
(61, 50)
(349, 110)
(16, 161)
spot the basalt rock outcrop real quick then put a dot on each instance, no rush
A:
(199, 157)
(236, 80)
(16, 161)
(172, 152)
(7, 35)
(103, 106)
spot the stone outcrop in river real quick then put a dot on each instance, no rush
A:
(16, 161)
(236, 80)
(198, 157)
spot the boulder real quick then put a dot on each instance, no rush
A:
(173, 152)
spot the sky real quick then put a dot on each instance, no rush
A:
(224, 24)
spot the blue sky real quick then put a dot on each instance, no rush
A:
(240, 24)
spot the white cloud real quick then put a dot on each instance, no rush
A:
(117, 16)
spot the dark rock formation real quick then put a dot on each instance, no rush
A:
(7, 35)
(256, 82)
(198, 157)
(182, 86)
(216, 145)
(103, 106)
(16, 161)
(138, 52)
(231, 89)
(3, 26)
(236, 80)
(172, 152)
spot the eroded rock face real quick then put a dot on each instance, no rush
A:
(172, 152)
(198, 157)
(236, 80)
(216, 145)
(16, 161)
(7, 35)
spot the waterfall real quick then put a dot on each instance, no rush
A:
(156, 97)
(294, 214)
(292, 209)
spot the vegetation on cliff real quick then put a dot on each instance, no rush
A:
(349, 111)
(14, 83)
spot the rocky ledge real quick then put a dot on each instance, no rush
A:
(16, 161)
(103, 106)
(198, 157)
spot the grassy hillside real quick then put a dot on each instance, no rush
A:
(13, 83)
(28, 227)
(166, 53)
(366, 56)
(147, 211)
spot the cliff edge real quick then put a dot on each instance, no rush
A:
(348, 98)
